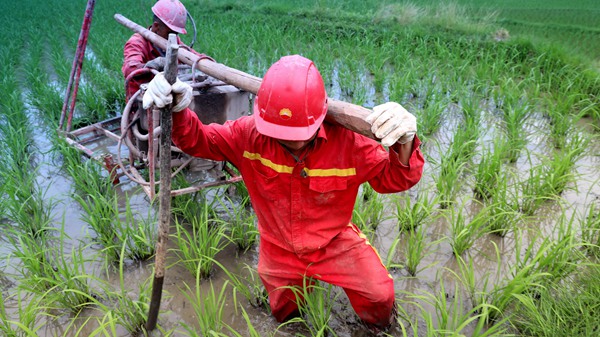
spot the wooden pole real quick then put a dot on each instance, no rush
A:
(348, 115)
(164, 216)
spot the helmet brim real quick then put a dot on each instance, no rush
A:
(292, 133)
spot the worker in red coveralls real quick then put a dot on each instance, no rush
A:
(169, 17)
(303, 176)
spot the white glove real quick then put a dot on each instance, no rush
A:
(159, 94)
(391, 123)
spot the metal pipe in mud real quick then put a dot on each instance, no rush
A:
(164, 215)
(73, 85)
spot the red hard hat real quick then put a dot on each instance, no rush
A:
(172, 13)
(291, 102)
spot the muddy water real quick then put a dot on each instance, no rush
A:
(438, 264)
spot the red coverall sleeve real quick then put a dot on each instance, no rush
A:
(390, 175)
(134, 55)
(214, 141)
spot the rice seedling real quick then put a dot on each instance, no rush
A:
(28, 310)
(127, 312)
(537, 265)
(368, 210)
(451, 317)
(558, 258)
(71, 284)
(241, 222)
(198, 247)
(503, 211)
(562, 117)
(414, 250)
(430, 115)
(488, 170)
(463, 145)
(516, 110)
(447, 183)
(389, 260)
(534, 190)
(590, 230)
(463, 233)
(31, 214)
(101, 214)
(562, 308)
(315, 304)
(560, 169)
(208, 306)
(250, 287)
(181, 202)
(139, 233)
(251, 329)
(412, 215)
(35, 269)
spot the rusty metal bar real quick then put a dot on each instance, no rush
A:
(73, 85)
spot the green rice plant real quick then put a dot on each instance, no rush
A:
(516, 111)
(139, 233)
(389, 260)
(534, 189)
(250, 287)
(488, 170)
(241, 190)
(89, 177)
(208, 307)
(414, 250)
(32, 214)
(180, 202)
(198, 247)
(315, 304)
(505, 294)
(34, 253)
(412, 215)
(429, 117)
(563, 117)
(252, 332)
(101, 213)
(241, 221)
(28, 310)
(71, 284)
(369, 209)
(126, 311)
(466, 277)
(590, 230)
(503, 211)
(463, 233)
(558, 258)
(562, 308)
(464, 143)
(560, 168)
(450, 316)
(451, 169)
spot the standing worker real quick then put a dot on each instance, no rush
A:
(303, 177)
(169, 17)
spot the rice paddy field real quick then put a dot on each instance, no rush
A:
(501, 237)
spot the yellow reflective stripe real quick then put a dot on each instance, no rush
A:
(363, 236)
(334, 172)
(268, 163)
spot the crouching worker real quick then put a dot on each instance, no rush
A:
(303, 177)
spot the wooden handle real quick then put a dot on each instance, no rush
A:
(348, 115)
